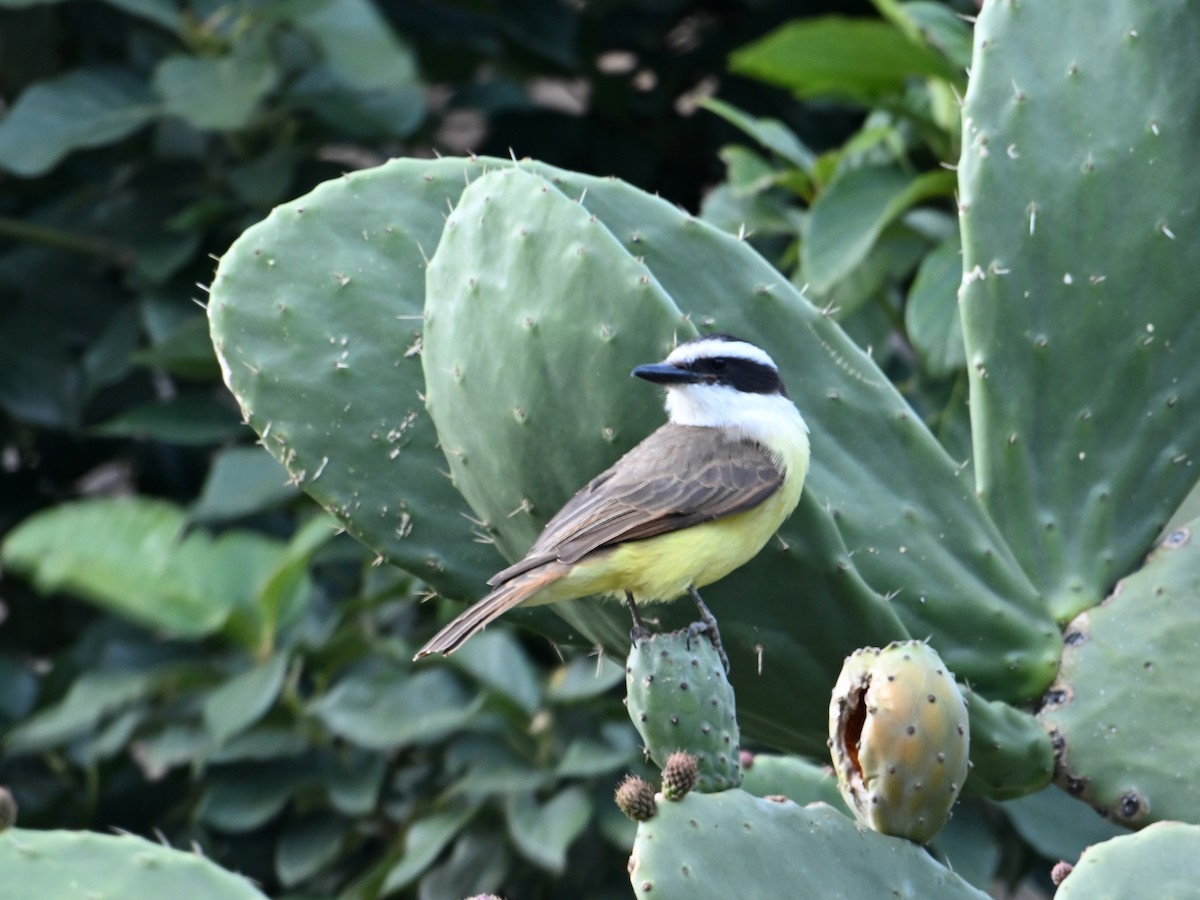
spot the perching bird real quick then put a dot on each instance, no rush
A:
(692, 502)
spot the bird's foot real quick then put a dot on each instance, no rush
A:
(708, 626)
(639, 631)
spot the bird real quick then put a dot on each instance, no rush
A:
(692, 502)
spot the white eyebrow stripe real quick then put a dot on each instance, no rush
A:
(694, 350)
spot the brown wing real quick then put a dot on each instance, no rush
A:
(679, 476)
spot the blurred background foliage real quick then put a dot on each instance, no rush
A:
(187, 649)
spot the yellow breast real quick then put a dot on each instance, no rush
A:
(663, 567)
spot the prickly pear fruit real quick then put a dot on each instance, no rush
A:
(899, 739)
(679, 775)
(635, 798)
(679, 699)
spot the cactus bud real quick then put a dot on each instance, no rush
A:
(635, 797)
(679, 775)
(899, 739)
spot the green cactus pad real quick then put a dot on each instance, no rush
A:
(1161, 861)
(705, 846)
(1011, 753)
(1125, 713)
(528, 384)
(899, 738)
(315, 313)
(679, 699)
(83, 865)
(1081, 244)
(798, 779)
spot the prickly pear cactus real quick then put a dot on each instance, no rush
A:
(707, 845)
(313, 316)
(1160, 861)
(1124, 709)
(1078, 181)
(83, 865)
(679, 699)
(898, 734)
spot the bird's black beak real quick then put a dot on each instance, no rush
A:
(663, 373)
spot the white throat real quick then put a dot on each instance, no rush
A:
(771, 420)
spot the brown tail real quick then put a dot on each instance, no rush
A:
(501, 600)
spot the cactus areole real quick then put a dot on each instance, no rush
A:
(899, 739)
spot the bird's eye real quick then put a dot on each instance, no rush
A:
(718, 363)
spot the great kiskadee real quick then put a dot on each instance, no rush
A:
(688, 505)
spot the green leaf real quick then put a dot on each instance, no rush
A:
(354, 781)
(943, 29)
(246, 799)
(1057, 825)
(174, 746)
(217, 93)
(746, 172)
(307, 846)
(849, 214)
(583, 678)
(383, 707)
(130, 556)
(544, 831)
(771, 133)
(424, 842)
(187, 352)
(931, 315)
(85, 108)
(502, 666)
(359, 45)
(476, 865)
(162, 12)
(92, 697)
(188, 419)
(242, 481)
(896, 252)
(832, 56)
(587, 758)
(242, 701)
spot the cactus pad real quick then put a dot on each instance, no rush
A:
(1124, 712)
(315, 313)
(679, 699)
(1081, 243)
(899, 739)
(83, 865)
(705, 846)
(1161, 861)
